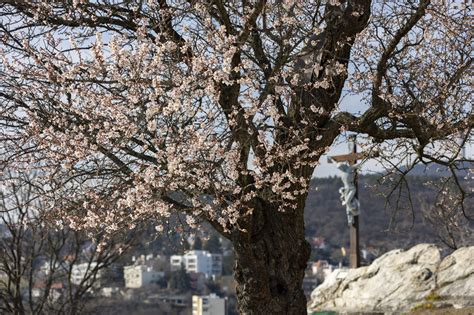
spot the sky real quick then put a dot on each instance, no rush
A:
(355, 105)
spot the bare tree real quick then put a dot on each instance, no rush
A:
(445, 214)
(39, 262)
(221, 110)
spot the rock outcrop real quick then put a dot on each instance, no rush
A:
(400, 281)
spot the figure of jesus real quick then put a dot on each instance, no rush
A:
(348, 192)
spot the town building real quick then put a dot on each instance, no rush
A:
(209, 305)
(83, 273)
(157, 262)
(319, 242)
(321, 269)
(54, 291)
(369, 254)
(140, 275)
(46, 266)
(171, 304)
(198, 261)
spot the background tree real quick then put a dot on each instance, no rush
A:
(180, 280)
(197, 244)
(445, 213)
(38, 260)
(221, 110)
(213, 244)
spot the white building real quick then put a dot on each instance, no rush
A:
(140, 275)
(109, 291)
(85, 270)
(209, 305)
(321, 269)
(198, 261)
(47, 267)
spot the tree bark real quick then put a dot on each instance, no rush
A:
(271, 258)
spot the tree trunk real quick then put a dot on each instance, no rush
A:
(271, 258)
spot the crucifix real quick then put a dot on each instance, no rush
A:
(347, 163)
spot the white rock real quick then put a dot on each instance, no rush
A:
(398, 281)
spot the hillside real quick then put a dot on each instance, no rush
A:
(381, 226)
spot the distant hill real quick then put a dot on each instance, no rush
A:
(380, 225)
(438, 170)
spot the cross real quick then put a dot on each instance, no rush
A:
(351, 158)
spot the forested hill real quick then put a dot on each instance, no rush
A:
(325, 216)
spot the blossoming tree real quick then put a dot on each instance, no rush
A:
(132, 110)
